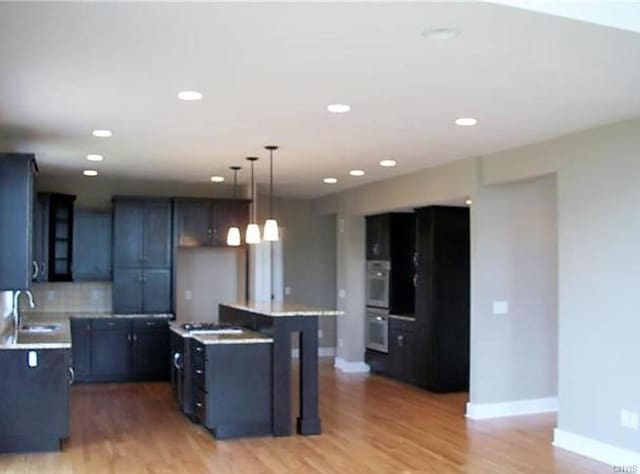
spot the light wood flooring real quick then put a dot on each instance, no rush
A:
(371, 425)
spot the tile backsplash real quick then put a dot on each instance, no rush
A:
(70, 296)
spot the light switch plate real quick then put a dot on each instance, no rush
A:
(187, 295)
(32, 359)
(500, 307)
(287, 290)
(342, 293)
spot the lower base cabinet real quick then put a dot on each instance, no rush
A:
(400, 362)
(232, 388)
(34, 407)
(120, 350)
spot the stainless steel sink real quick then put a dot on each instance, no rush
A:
(40, 327)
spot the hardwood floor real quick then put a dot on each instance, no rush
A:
(371, 425)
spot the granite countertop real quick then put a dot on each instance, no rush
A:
(65, 315)
(277, 309)
(57, 339)
(245, 337)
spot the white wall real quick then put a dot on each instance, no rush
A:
(514, 259)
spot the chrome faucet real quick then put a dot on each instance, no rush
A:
(17, 320)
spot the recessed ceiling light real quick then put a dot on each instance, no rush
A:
(217, 179)
(189, 95)
(466, 122)
(388, 163)
(356, 172)
(90, 173)
(102, 133)
(95, 157)
(468, 202)
(330, 180)
(338, 108)
(440, 34)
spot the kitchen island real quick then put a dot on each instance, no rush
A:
(279, 320)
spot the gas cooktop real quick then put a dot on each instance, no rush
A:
(211, 328)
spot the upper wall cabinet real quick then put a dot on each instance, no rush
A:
(53, 237)
(17, 266)
(92, 245)
(142, 233)
(205, 222)
(378, 238)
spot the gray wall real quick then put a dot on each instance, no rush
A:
(309, 256)
(211, 276)
(514, 259)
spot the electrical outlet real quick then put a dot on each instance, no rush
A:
(187, 295)
(319, 333)
(340, 342)
(287, 290)
(95, 295)
(51, 295)
(342, 293)
(500, 307)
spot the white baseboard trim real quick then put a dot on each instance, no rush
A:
(322, 352)
(480, 411)
(594, 449)
(350, 367)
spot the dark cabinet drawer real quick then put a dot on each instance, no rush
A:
(198, 355)
(111, 323)
(200, 406)
(199, 377)
(142, 324)
(401, 325)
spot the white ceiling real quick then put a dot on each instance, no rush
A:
(268, 71)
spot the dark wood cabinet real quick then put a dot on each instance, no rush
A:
(127, 291)
(92, 245)
(391, 237)
(442, 298)
(53, 236)
(156, 291)
(17, 266)
(81, 347)
(402, 350)
(120, 349)
(111, 349)
(142, 233)
(232, 388)
(35, 404)
(205, 222)
(378, 237)
(228, 213)
(142, 291)
(142, 249)
(150, 349)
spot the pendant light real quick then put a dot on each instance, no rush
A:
(271, 224)
(253, 231)
(233, 236)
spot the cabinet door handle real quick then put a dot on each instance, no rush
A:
(36, 270)
(135, 337)
(199, 405)
(72, 375)
(176, 360)
(400, 341)
(198, 349)
(415, 280)
(129, 337)
(199, 372)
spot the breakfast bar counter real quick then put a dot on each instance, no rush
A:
(278, 320)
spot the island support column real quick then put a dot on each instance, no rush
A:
(308, 423)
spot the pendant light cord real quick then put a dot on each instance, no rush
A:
(271, 181)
